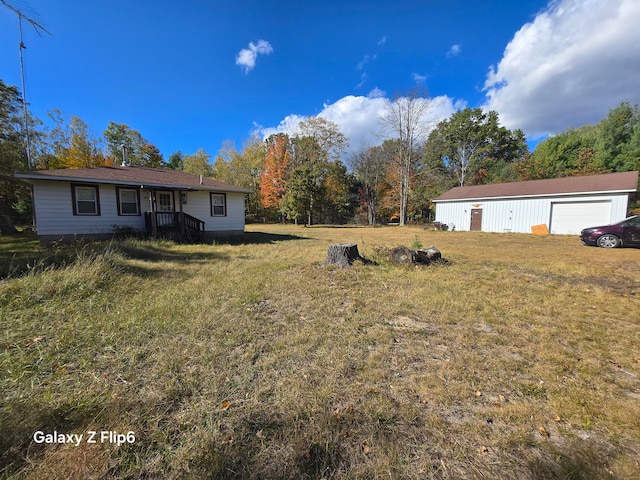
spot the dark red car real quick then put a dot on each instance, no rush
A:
(626, 232)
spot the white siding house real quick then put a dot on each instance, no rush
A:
(564, 205)
(97, 202)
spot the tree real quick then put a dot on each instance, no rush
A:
(15, 200)
(340, 192)
(150, 156)
(198, 163)
(176, 161)
(297, 200)
(566, 154)
(307, 153)
(276, 171)
(244, 169)
(616, 146)
(118, 134)
(370, 167)
(407, 117)
(327, 135)
(475, 147)
(72, 144)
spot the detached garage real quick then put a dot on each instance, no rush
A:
(564, 205)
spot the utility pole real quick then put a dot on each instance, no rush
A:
(38, 28)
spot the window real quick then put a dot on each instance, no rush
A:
(128, 201)
(218, 204)
(85, 199)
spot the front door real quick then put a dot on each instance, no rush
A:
(476, 219)
(165, 204)
(165, 201)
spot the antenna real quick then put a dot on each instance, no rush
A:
(38, 28)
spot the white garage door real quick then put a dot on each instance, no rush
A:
(571, 217)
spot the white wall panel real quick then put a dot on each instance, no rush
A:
(54, 211)
(520, 214)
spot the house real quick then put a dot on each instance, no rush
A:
(563, 205)
(97, 202)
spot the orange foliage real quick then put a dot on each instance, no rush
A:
(274, 177)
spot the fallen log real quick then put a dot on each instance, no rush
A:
(406, 256)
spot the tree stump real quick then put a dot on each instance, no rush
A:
(406, 256)
(342, 254)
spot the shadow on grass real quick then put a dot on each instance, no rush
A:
(20, 256)
(17, 252)
(159, 252)
(259, 238)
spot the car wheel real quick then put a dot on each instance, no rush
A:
(608, 240)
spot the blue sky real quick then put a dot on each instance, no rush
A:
(192, 74)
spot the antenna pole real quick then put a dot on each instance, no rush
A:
(24, 97)
(37, 28)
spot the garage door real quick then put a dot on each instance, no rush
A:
(571, 217)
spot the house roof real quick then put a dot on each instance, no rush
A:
(138, 176)
(622, 182)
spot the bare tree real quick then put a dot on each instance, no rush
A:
(407, 117)
(370, 168)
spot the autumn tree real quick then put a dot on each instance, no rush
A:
(276, 171)
(73, 144)
(243, 168)
(408, 118)
(151, 157)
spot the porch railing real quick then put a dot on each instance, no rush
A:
(158, 223)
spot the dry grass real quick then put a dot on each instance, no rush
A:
(518, 359)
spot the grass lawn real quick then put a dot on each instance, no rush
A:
(519, 359)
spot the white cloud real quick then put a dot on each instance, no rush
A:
(376, 93)
(418, 79)
(359, 118)
(365, 60)
(363, 78)
(454, 51)
(246, 58)
(568, 67)
(383, 40)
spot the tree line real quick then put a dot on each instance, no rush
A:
(309, 177)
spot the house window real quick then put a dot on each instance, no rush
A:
(128, 201)
(218, 205)
(85, 199)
